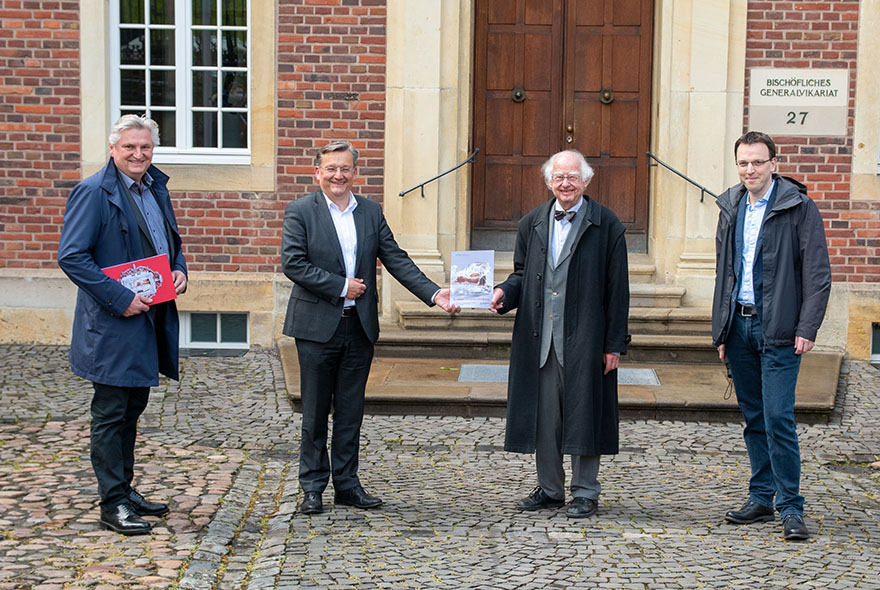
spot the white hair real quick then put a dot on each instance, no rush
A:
(127, 122)
(547, 167)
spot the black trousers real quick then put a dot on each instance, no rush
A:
(333, 377)
(115, 412)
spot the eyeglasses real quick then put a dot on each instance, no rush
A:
(559, 178)
(754, 163)
(334, 169)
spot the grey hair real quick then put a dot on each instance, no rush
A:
(127, 122)
(586, 169)
(336, 146)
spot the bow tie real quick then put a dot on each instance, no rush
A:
(569, 215)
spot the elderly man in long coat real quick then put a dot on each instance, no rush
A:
(570, 283)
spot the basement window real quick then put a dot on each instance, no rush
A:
(875, 343)
(214, 330)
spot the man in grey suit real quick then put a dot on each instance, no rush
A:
(330, 243)
(570, 282)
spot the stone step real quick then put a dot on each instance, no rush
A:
(433, 385)
(494, 344)
(415, 315)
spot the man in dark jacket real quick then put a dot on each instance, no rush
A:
(120, 341)
(772, 283)
(330, 244)
(570, 283)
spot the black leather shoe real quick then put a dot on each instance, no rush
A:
(794, 528)
(143, 507)
(123, 519)
(750, 512)
(357, 497)
(538, 499)
(581, 508)
(312, 503)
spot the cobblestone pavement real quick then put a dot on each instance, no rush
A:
(221, 448)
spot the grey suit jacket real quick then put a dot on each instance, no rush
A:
(311, 257)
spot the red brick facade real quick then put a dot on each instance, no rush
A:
(820, 35)
(330, 85)
(39, 127)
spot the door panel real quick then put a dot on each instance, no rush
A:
(557, 74)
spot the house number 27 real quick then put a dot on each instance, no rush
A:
(793, 117)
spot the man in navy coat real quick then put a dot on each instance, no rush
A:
(120, 341)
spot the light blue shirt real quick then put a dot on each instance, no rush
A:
(150, 211)
(754, 217)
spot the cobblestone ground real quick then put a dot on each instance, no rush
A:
(221, 447)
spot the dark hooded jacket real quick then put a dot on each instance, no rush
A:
(792, 272)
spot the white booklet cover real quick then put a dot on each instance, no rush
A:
(471, 279)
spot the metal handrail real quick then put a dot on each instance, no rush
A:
(703, 189)
(470, 158)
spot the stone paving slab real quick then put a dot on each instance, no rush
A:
(221, 447)
(432, 386)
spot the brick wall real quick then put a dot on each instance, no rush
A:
(39, 127)
(331, 85)
(820, 35)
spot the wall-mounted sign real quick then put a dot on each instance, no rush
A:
(801, 101)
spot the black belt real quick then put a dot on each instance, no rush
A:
(348, 312)
(747, 311)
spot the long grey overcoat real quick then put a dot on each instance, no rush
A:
(596, 310)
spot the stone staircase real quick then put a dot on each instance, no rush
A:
(662, 329)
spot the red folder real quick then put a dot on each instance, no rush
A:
(150, 277)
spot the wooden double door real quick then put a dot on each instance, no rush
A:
(557, 74)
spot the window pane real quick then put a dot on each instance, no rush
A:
(234, 49)
(205, 89)
(134, 87)
(162, 88)
(204, 12)
(205, 129)
(131, 11)
(203, 327)
(233, 327)
(235, 89)
(235, 130)
(161, 47)
(204, 48)
(234, 13)
(162, 12)
(131, 51)
(875, 338)
(167, 127)
(138, 113)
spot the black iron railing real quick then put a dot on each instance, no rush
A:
(470, 158)
(703, 189)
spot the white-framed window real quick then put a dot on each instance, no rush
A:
(186, 64)
(214, 330)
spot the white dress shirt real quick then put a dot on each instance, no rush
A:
(343, 220)
(561, 227)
